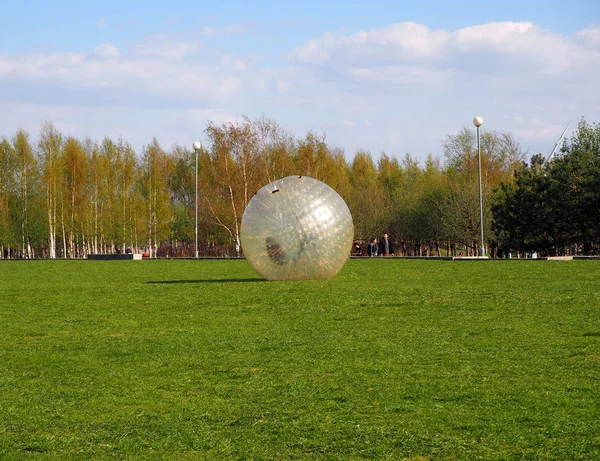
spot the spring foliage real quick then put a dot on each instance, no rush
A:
(67, 197)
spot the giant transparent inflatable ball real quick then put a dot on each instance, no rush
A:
(297, 228)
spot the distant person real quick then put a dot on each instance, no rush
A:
(373, 249)
(385, 246)
(357, 249)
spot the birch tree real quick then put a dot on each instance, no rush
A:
(274, 147)
(235, 175)
(154, 183)
(94, 203)
(182, 187)
(75, 167)
(7, 188)
(50, 146)
(126, 177)
(27, 207)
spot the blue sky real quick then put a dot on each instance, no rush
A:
(380, 76)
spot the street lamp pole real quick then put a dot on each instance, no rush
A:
(478, 121)
(196, 147)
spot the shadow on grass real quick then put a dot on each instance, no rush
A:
(205, 281)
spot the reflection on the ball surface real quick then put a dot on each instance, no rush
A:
(297, 228)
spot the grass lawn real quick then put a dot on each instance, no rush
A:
(392, 359)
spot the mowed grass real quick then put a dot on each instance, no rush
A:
(392, 359)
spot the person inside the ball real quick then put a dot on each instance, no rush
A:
(274, 250)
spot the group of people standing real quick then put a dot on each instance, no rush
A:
(383, 247)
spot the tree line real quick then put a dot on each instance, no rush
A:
(552, 206)
(64, 197)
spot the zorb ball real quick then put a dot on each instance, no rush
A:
(297, 228)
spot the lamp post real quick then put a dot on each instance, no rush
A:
(196, 147)
(478, 121)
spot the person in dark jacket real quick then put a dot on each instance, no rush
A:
(385, 246)
(373, 249)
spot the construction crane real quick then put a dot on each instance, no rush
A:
(557, 145)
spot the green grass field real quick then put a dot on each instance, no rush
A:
(392, 359)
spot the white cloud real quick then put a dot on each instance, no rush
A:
(522, 46)
(107, 51)
(408, 39)
(316, 51)
(156, 70)
(590, 37)
(42, 66)
(415, 49)
(500, 34)
(404, 40)
(347, 123)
